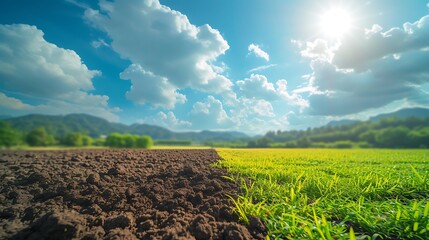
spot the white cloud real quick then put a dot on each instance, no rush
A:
(163, 41)
(98, 43)
(258, 125)
(12, 103)
(257, 51)
(264, 108)
(261, 68)
(340, 92)
(78, 4)
(317, 49)
(94, 105)
(169, 120)
(247, 107)
(147, 87)
(370, 69)
(374, 29)
(32, 67)
(210, 114)
(258, 86)
(362, 48)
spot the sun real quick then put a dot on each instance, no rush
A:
(335, 22)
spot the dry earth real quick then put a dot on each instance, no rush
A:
(118, 194)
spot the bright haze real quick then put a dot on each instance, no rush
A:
(250, 66)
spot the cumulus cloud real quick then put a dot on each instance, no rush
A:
(249, 115)
(317, 49)
(339, 91)
(257, 51)
(251, 106)
(147, 87)
(57, 77)
(258, 86)
(34, 66)
(14, 107)
(210, 114)
(169, 120)
(163, 42)
(370, 69)
(12, 103)
(264, 108)
(259, 125)
(358, 52)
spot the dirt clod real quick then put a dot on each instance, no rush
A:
(93, 178)
(121, 221)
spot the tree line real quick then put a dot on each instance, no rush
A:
(10, 137)
(391, 132)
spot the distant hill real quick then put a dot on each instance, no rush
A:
(95, 127)
(408, 128)
(403, 113)
(5, 117)
(343, 122)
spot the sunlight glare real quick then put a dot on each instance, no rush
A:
(336, 22)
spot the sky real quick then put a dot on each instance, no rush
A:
(244, 65)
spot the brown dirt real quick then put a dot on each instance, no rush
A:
(118, 194)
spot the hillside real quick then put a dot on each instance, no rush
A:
(343, 122)
(95, 127)
(388, 131)
(403, 113)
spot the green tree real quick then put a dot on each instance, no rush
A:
(73, 139)
(87, 140)
(259, 143)
(39, 137)
(77, 139)
(252, 144)
(393, 137)
(144, 142)
(8, 136)
(99, 142)
(115, 140)
(129, 140)
(419, 137)
(303, 142)
(368, 136)
(343, 144)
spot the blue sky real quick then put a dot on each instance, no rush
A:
(248, 65)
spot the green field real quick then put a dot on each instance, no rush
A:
(333, 194)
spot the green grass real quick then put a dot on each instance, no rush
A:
(333, 194)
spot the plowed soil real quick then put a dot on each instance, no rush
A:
(118, 194)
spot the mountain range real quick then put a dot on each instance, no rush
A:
(96, 127)
(403, 113)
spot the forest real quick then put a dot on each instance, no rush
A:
(390, 132)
